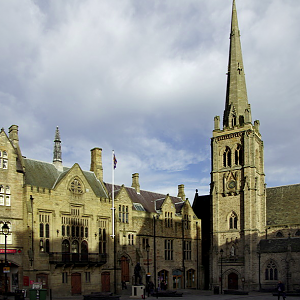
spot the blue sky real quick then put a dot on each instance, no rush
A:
(146, 78)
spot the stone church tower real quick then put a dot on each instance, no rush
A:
(237, 182)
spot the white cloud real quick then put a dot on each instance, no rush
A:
(146, 78)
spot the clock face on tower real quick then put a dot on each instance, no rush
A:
(231, 184)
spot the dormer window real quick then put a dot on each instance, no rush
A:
(3, 160)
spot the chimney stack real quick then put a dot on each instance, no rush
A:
(135, 182)
(96, 163)
(181, 193)
(13, 135)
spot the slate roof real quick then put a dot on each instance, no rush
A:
(279, 245)
(282, 203)
(45, 175)
(152, 202)
(40, 174)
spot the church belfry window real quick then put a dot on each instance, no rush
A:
(233, 120)
(238, 155)
(233, 221)
(227, 157)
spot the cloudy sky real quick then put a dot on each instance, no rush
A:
(146, 78)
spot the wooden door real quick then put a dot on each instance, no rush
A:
(76, 284)
(105, 281)
(124, 269)
(233, 281)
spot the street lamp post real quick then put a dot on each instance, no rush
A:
(259, 256)
(221, 252)
(147, 275)
(155, 217)
(5, 231)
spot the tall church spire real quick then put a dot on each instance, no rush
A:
(237, 110)
(57, 161)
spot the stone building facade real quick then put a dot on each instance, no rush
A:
(62, 233)
(251, 234)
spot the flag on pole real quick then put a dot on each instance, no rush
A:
(115, 161)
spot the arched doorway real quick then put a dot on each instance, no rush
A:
(124, 269)
(177, 279)
(233, 283)
(190, 278)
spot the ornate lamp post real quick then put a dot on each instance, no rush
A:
(259, 256)
(5, 231)
(221, 252)
(147, 275)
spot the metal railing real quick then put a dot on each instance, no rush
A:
(65, 257)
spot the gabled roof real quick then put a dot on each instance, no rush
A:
(151, 202)
(45, 175)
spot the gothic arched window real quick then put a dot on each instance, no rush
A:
(271, 272)
(279, 234)
(227, 157)
(233, 221)
(238, 155)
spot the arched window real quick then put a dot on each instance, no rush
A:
(233, 221)
(238, 155)
(84, 251)
(271, 272)
(75, 251)
(47, 230)
(297, 233)
(41, 230)
(227, 157)
(233, 120)
(65, 249)
(279, 234)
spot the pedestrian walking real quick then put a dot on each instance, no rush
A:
(281, 290)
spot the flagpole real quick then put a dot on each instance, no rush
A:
(113, 194)
(114, 162)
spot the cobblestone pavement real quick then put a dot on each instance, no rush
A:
(199, 295)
